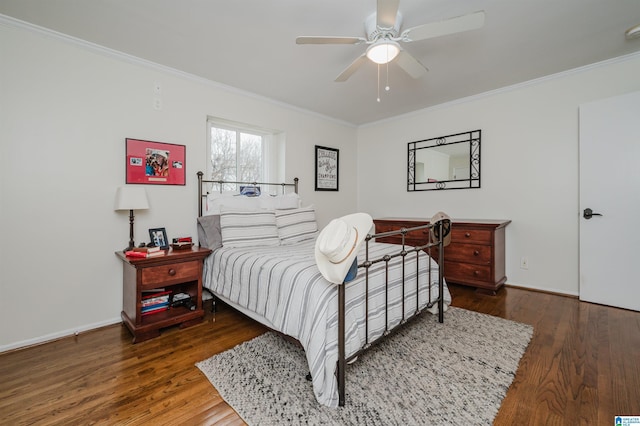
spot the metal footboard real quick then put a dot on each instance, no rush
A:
(403, 252)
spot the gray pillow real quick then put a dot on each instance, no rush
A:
(209, 234)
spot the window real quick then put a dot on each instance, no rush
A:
(240, 153)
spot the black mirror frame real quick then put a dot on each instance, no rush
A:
(473, 138)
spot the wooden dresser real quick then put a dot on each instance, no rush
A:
(475, 257)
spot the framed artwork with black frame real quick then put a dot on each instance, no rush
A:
(158, 237)
(327, 168)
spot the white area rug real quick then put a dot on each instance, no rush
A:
(427, 373)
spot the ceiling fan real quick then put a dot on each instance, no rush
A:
(383, 37)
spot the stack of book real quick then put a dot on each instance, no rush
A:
(182, 245)
(155, 302)
(145, 252)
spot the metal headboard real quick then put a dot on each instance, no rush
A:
(203, 194)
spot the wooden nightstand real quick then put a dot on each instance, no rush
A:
(178, 271)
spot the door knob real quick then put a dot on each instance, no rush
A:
(588, 213)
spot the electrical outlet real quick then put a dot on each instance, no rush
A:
(157, 88)
(157, 104)
(524, 262)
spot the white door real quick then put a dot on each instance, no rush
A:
(610, 186)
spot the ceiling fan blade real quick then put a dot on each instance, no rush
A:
(344, 76)
(329, 40)
(386, 13)
(468, 22)
(411, 65)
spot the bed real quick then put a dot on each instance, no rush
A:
(263, 265)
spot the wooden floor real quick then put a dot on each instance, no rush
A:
(582, 367)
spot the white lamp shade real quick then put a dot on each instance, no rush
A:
(131, 198)
(383, 51)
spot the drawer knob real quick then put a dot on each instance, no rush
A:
(476, 253)
(467, 235)
(476, 273)
(172, 272)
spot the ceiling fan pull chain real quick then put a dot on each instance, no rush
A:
(378, 85)
(387, 88)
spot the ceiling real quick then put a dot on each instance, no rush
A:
(250, 45)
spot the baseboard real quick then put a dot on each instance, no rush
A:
(58, 335)
(543, 290)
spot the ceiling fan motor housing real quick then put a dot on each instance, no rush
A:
(375, 33)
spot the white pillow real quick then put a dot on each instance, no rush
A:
(248, 229)
(277, 202)
(296, 225)
(215, 204)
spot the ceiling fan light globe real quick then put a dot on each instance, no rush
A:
(383, 52)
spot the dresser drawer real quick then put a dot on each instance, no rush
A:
(156, 276)
(466, 272)
(468, 253)
(474, 236)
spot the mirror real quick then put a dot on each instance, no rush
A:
(446, 162)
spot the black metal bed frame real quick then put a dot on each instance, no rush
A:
(404, 252)
(368, 263)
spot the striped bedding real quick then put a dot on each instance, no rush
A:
(282, 288)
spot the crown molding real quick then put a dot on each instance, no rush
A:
(105, 51)
(125, 57)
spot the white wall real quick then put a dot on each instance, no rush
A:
(66, 109)
(529, 166)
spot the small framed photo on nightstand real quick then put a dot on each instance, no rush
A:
(158, 237)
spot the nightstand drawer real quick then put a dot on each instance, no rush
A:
(475, 236)
(156, 276)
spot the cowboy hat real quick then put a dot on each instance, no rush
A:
(446, 228)
(338, 243)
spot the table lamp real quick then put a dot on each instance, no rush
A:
(131, 198)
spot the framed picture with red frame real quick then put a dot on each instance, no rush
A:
(155, 163)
